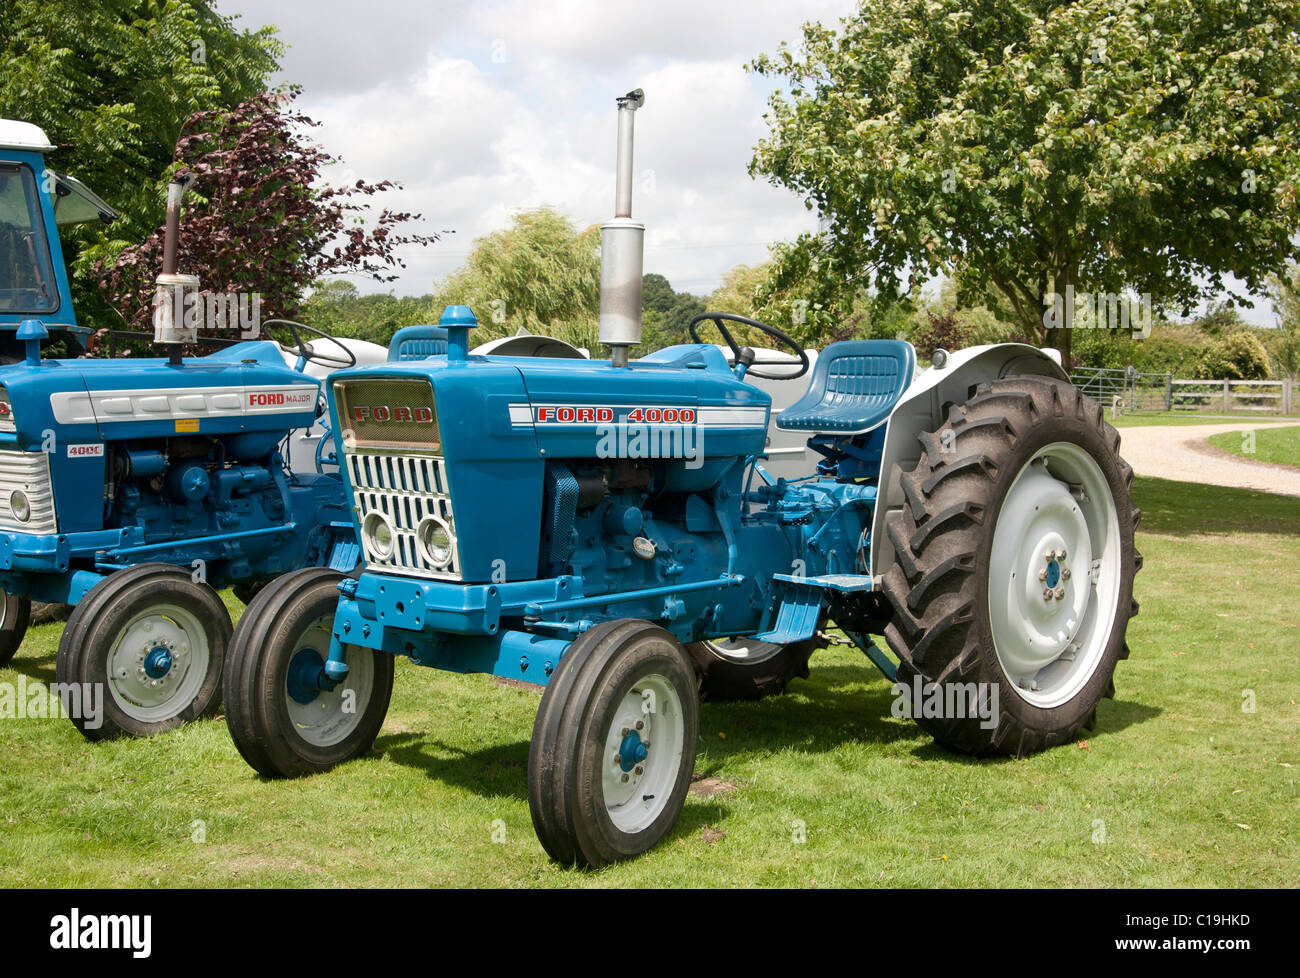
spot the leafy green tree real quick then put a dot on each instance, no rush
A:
(541, 274)
(337, 308)
(259, 220)
(111, 83)
(1237, 356)
(1104, 145)
(1285, 345)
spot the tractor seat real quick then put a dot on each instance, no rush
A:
(417, 343)
(854, 386)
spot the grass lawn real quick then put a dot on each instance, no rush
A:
(1185, 788)
(1281, 445)
(1184, 417)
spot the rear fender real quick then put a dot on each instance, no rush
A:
(923, 407)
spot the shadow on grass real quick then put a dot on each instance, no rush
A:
(1112, 717)
(41, 668)
(1183, 508)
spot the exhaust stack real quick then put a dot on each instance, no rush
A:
(622, 249)
(173, 289)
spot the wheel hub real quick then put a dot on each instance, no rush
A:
(632, 751)
(158, 662)
(1050, 602)
(305, 671)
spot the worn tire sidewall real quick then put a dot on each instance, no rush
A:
(291, 754)
(600, 840)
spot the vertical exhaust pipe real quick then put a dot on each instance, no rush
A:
(622, 249)
(172, 289)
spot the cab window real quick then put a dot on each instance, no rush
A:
(26, 276)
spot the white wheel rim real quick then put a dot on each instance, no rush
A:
(1050, 646)
(636, 793)
(158, 663)
(744, 651)
(333, 714)
(4, 608)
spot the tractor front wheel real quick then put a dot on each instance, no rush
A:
(15, 616)
(613, 745)
(286, 718)
(154, 641)
(1012, 582)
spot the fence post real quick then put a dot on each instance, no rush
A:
(1169, 392)
(1227, 394)
(1286, 395)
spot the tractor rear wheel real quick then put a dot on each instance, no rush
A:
(613, 745)
(1012, 581)
(286, 719)
(745, 669)
(15, 616)
(155, 641)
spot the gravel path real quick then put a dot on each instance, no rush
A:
(1181, 453)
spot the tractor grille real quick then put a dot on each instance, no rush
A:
(404, 493)
(30, 473)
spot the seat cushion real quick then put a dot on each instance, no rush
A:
(854, 386)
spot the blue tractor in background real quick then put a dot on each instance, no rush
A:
(607, 529)
(133, 489)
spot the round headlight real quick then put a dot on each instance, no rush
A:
(20, 505)
(377, 532)
(434, 538)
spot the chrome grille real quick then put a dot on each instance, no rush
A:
(30, 472)
(406, 490)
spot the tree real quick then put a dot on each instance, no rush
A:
(1285, 291)
(259, 222)
(540, 274)
(1097, 145)
(112, 83)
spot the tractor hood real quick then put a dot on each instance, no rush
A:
(244, 388)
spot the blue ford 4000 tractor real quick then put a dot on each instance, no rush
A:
(131, 488)
(607, 529)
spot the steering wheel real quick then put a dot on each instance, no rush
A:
(744, 356)
(305, 353)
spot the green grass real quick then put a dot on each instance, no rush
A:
(1192, 791)
(1184, 418)
(1281, 445)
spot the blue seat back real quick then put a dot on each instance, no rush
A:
(417, 343)
(854, 386)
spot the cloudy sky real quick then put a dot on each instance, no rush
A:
(482, 108)
(487, 108)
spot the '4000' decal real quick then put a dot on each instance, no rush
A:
(578, 414)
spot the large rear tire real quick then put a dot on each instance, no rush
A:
(1013, 569)
(745, 669)
(281, 720)
(154, 640)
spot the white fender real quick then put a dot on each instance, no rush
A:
(921, 408)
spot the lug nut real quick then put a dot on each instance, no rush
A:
(618, 758)
(1047, 594)
(1060, 593)
(640, 770)
(1042, 574)
(640, 724)
(626, 779)
(1062, 555)
(625, 732)
(1065, 574)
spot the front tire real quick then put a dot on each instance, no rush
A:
(15, 616)
(155, 642)
(1013, 569)
(613, 745)
(281, 720)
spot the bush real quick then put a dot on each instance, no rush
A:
(1237, 356)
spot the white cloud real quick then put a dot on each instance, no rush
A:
(487, 109)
